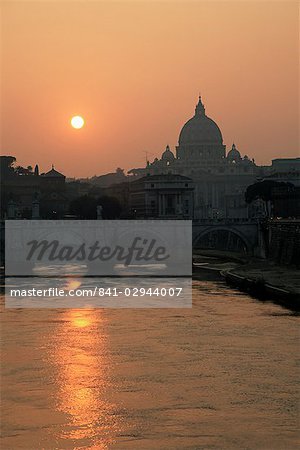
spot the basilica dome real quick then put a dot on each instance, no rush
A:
(168, 155)
(234, 154)
(200, 129)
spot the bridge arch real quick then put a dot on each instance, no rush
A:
(222, 238)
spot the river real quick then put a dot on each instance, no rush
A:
(221, 375)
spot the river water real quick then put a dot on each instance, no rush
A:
(221, 375)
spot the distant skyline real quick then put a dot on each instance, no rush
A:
(134, 70)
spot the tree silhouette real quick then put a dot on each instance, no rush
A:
(264, 190)
(111, 207)
(6, 165)
(84, 207)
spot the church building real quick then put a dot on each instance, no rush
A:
(220, 178)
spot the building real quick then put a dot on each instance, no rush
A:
(26, 194)
(286, 170)
(220, 178)
(286, 195)
(286, 165)
(164, 196)
(53, 199)
(18, 193)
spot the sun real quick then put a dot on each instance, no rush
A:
(77, 122)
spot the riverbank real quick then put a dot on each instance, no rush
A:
(263, 278)
(260, 278)
(216, 261)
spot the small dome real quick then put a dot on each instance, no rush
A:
(200, 129)
(234, 154)
(167, 155)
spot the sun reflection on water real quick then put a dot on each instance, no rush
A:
(72, 283)
(81, 322)
(83, 365)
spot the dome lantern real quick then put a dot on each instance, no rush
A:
(200, 109)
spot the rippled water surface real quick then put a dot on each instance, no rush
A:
(221, 375)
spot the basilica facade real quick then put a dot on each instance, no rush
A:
(220, 178)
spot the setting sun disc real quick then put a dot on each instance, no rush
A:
(77, 122)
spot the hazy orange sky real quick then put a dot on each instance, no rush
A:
(134, 70)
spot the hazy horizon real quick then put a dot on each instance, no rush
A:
(134, 71)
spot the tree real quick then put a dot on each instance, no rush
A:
(19, 170)
(263, 190)
(111, 207)
(85, 207)
(6, 165)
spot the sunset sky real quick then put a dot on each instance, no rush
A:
(134, 70)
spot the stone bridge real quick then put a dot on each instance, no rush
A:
(240, 236)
